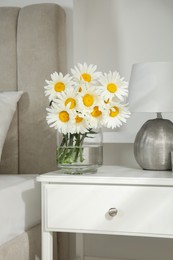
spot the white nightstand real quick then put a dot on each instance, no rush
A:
(116, 200)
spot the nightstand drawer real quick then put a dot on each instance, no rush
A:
(88, 208)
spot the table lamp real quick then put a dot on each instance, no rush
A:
(151, 90)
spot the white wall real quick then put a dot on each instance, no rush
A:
(118, 33)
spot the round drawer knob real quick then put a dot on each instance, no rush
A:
(112, 212)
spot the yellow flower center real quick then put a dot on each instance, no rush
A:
(72, 102)
(64, 116)
(59, 86)
(78, 119)
(88, 100)
(114, 112)
(96, 112)
(86, 77)
(111, 87)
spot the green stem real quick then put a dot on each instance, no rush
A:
(71, 148)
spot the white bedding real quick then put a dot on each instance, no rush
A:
(20, 205)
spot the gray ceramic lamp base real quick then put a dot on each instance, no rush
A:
(153, 145)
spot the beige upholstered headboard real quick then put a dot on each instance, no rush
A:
(32, 46)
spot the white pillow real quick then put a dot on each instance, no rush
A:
(8, 103)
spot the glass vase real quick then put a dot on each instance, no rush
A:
(80, 153)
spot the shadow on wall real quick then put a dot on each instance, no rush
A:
(119, 154)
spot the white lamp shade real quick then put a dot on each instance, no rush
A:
(151, 87)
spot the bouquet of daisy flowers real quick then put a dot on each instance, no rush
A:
(82, 102)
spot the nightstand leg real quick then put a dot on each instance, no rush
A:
(47, 245)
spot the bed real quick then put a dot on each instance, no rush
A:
(32, 45)
(19, 214)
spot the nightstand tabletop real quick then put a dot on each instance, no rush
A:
(112, 175)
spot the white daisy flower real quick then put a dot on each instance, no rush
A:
(115, 115)
(88, 99)
(58, 84)
(68, 98)
(85, 100)
(113, 86)
(60, 118)
(85, 73)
